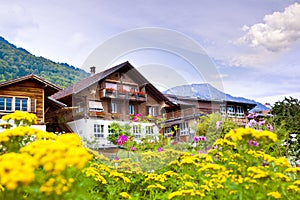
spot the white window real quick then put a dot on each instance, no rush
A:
(113, 107)
(136, 130)
(6, 103)
(80, 107)
(223, 110)
(184, 129)
(240, 112)
(95, 106)
(149, 130)
(168, 131)
(111, 85)
(131, 109)
(152, 110)
(98, 131)
(230, 111)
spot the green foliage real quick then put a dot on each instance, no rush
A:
(287, 114)
(16, 62)
(207, 126)
(116, 130)
(287, 126)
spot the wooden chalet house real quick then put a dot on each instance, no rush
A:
(29, 93)
(116, 94)
(188, 109)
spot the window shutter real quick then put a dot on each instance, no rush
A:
(33, 106)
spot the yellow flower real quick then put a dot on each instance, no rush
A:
(56, 155)
(118, 175)
(171, 173)
(156, 186)
(20, 116)
(282, 176)
(125, 195)
(293, 169)
(156, 177)
(56, 185)
(276, 195)
(16, 168)
(190, 192)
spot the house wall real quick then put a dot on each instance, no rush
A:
(85, 129)
(30, 89)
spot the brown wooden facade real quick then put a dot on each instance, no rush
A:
(118, 94)
(28, 93)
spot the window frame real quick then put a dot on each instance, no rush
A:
(184, 128)
(131, 109)
(99, 131)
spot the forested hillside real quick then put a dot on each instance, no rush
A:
(16, 62)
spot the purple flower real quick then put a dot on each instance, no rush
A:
(132, 148)
(117, 158)
(160, 149)
(261, 123)
(196, 139)
(138, 115)
(170, 134)
(122, 139)
(199, 138)
(298, 165)
(270, 127)
(218, 124)
(202, 138)
(253, 143)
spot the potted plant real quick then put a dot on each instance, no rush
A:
(110, 90)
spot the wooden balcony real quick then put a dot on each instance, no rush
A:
(115, 94)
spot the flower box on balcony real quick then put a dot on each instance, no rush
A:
(96, 114)
(110, 90)
(115, 115)
(141, 94)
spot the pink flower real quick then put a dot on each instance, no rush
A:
(160, 149)
(270, 127)
(132, 148)
(218, 124)
(253, 143)
(122, 139)
(199, 138)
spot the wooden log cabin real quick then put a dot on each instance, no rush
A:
(29, 93)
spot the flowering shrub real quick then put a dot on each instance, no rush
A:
(59, 167)
(236, 168)
(37, 165)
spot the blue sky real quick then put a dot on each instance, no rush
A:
(254, 45)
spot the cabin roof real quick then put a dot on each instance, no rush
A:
(89, 81)
(46, 83)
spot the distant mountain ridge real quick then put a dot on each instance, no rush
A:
(16, 62)
(207, 92)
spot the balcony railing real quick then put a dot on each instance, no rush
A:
(123, 94)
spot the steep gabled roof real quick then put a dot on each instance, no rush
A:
(85, 83)
(89, 81)
(54, 87)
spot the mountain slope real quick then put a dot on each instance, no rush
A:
(208, 92)
(16, 62)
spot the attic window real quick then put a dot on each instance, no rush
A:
(116, 75)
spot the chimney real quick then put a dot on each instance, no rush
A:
(93, 70)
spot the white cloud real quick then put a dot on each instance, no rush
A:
(279, 31)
